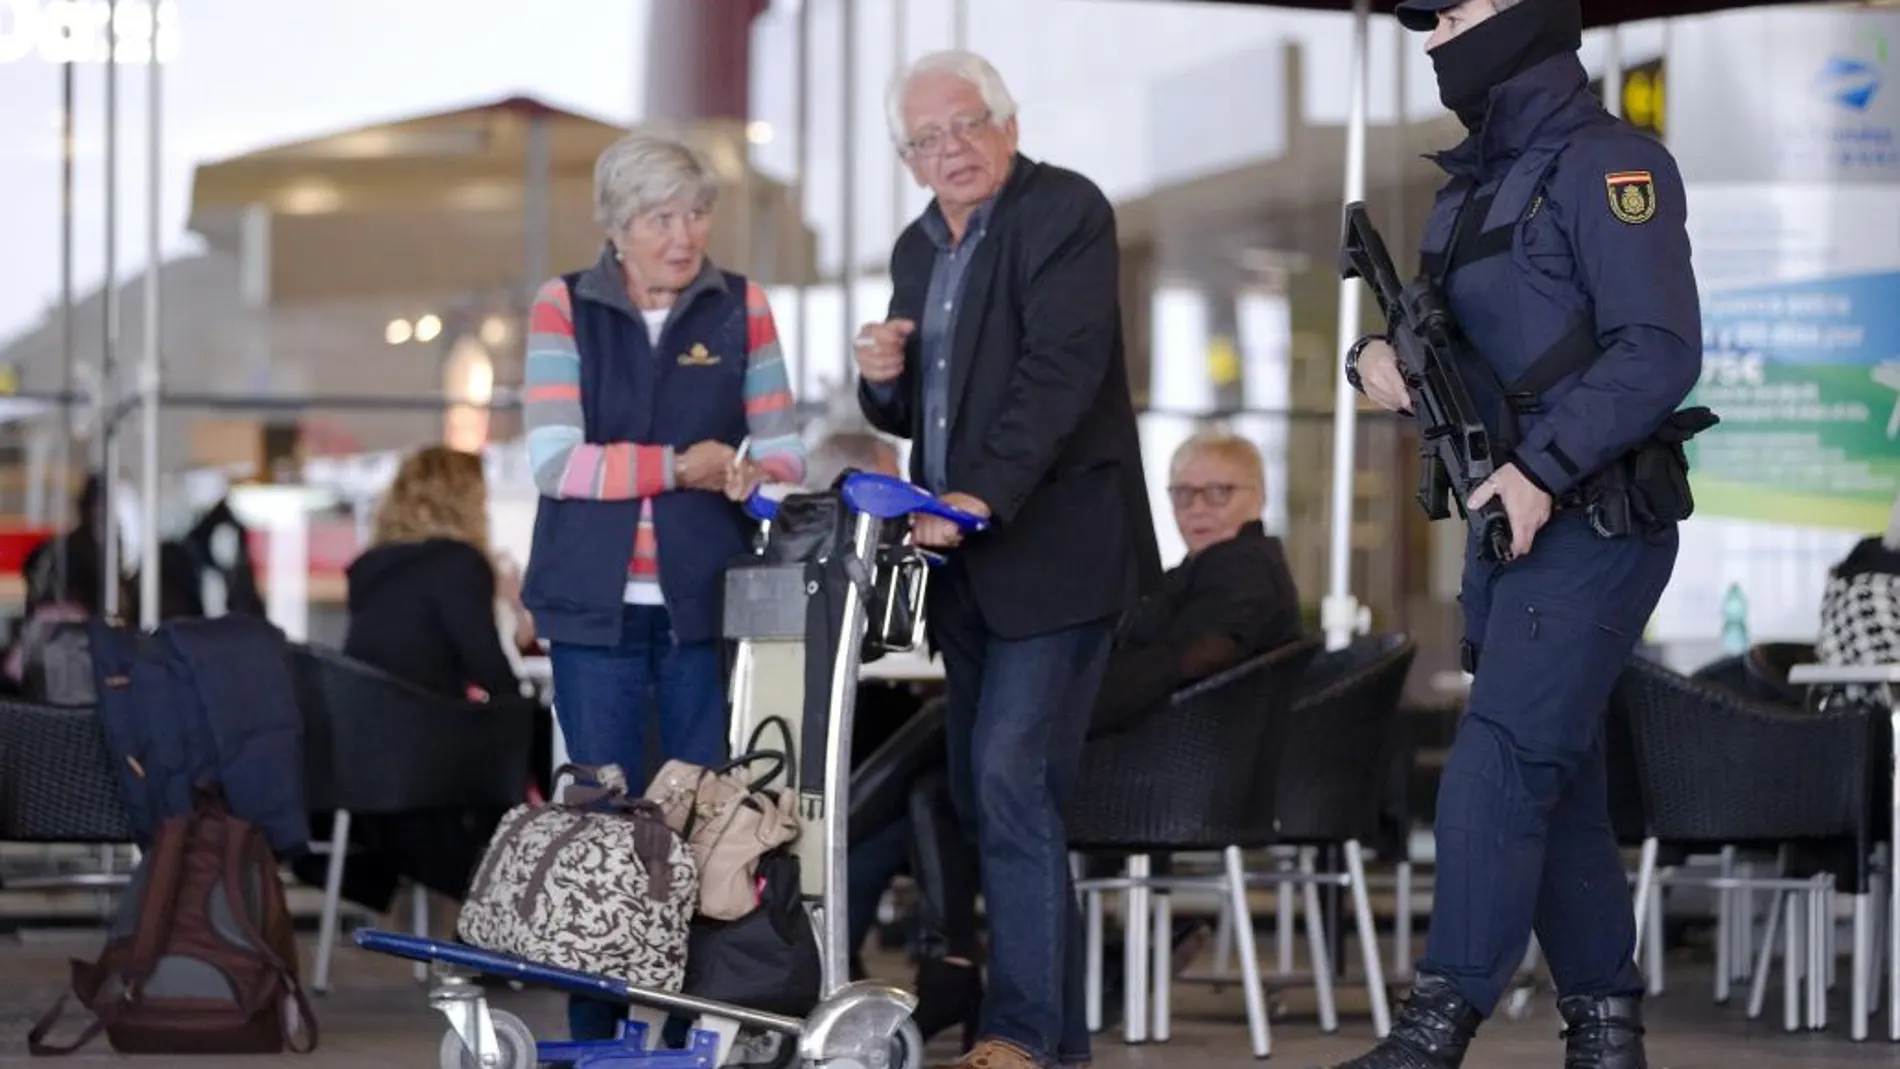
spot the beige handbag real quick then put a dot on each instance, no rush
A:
(730, 818)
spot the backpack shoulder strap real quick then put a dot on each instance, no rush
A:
(246, 850)
(159, 902)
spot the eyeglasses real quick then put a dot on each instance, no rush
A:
(935, 140)
(1217, 495)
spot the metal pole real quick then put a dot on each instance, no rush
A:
(68, 148)
(150, 372)
(801, 105)
(900, 53)
(1613, 73)
(108, 362)
(848, 185)
(534, 223)
(1340, 613)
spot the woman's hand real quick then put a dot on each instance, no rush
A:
(742, 478)
(703, 466)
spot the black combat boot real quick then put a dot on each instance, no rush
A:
(1432, 1031)
(1603, 1032)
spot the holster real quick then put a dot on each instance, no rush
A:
(1647, 490)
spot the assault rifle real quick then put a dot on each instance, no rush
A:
(1453, 442)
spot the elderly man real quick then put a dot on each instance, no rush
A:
(1232, 597)
(1001, 359)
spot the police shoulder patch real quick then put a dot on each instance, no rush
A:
(1632, 196)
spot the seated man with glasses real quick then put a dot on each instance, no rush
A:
(1233, 596)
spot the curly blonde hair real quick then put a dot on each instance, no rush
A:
(437, 493)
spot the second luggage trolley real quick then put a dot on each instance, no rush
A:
(833, 579)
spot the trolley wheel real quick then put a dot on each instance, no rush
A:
(511, 1035)
(907, 1047)
(762, 1050)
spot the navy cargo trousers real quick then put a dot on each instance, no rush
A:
(1523, 825)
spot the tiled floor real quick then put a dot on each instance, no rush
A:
(376, 1018)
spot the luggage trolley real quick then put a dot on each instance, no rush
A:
(829, 583)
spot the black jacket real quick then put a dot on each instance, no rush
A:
(1042, 428)
(1215, 609)
(425, 612)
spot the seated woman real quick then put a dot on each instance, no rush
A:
(422, 604)
(1232, 597)
(1860, 608)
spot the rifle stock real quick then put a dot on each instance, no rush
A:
(1454, 446)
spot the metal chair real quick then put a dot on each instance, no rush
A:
(1197, 777)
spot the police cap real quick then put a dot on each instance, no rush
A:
(1422, 15)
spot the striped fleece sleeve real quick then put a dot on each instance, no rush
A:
(776, 445)
(565, 465)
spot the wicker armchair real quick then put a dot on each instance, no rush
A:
(373, 743)
(57, 783)
(1331, 793)
(1721, 769)
(1201, 776)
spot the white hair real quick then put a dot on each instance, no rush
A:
(642, 171)
(968, 66)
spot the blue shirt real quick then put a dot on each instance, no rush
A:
(937, 337)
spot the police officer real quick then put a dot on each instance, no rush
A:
(1561, 247)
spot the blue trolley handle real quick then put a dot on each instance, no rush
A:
(882, 496)
(969, 522)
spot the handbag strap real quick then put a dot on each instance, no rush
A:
(579, 797)
(788, 762)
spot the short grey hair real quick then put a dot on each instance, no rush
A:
(644, 170)
(968, 66)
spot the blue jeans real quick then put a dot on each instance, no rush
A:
(873, 863)
(605, 698)
(1018, 714)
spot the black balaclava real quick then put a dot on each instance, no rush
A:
(1501, 47)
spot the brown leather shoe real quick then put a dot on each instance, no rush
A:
(994, 1054)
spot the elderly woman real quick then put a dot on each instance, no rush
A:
(645, 374)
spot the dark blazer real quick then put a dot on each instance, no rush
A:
(1042, 428)
(1229, 602)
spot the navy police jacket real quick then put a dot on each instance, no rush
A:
(1569, 275)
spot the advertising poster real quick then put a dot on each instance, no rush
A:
(1791, 156)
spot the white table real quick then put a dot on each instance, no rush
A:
(1837, 675)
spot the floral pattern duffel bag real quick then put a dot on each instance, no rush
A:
(595, 882)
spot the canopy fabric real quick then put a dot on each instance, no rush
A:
(1595, 12)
